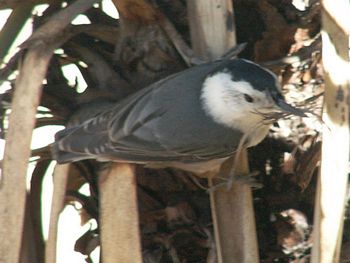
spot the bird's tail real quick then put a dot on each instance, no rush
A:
(58, 151)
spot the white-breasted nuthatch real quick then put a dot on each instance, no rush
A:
(193, 120)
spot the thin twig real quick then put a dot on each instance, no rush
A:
(13, 26)
(184, 50)
(58, 22)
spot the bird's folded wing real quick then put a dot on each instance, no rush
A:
(132, 130)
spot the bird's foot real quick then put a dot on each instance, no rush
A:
(249, 179)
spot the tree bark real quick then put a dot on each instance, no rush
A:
(21, 124)
(60, 178)
(119, 219)
(333, 179)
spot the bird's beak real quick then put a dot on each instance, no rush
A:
(289, 108)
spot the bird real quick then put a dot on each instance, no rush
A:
(192, 120)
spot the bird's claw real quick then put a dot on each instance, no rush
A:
(249, 179)
(244, 179)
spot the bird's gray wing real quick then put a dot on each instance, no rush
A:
(163, 122)
(107, 135)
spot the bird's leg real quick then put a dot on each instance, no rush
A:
(244, 179)
(249, 179)
(230, 174)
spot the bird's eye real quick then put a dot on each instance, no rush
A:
(248, 98)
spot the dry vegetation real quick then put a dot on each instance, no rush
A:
(116, 57)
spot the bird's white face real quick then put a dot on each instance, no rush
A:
(236, 103)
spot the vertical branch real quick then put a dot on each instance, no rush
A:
(21, 124)
(331, 188)
(212, 33)
(17, 152)
(235, 221)
(35, 207)
(212, 27)
(29, 247)
(120, 234)
(60, 177)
